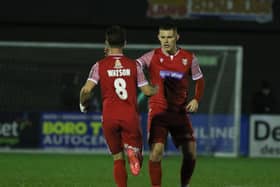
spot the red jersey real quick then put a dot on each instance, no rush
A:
(118, 77)
(171, 73)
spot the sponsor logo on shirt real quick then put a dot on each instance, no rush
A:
(184, 61)
(118, 64)
(171, 74)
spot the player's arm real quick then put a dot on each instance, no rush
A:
(197, 75)
(86, 94)
(86, 90)
(199, 90)
(145, 60)
(143, 84)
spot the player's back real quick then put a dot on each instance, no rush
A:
(118, 80)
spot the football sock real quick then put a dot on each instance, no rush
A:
(187, 169)
(155, 173)
(134, 161)
(120, 173)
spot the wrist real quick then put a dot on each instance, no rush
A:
(83, 108)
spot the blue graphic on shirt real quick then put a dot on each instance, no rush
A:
(171, 74)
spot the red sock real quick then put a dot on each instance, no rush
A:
(155, 173)
(187, 169)
(120, 173)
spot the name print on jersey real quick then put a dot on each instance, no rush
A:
(118, 72)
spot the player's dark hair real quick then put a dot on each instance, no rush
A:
(116, 36)
(168, 26)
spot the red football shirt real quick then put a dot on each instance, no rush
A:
(118, 77)
(171, 73)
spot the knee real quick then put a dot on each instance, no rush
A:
(156, 153)
(189, 151)
(189, 155)
(118, 156)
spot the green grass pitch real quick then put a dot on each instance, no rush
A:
(90, 170)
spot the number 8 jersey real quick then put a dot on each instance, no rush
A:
(118, 77)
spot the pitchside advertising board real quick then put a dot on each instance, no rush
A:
(264, 136)
(214, 134)
(84, 132)
(72, 131)
(19, 130)
(9, 132)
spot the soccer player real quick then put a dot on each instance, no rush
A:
(118, 77)
(171, 67)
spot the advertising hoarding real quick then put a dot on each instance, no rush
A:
(264, 136)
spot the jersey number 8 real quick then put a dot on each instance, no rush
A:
(120, 88)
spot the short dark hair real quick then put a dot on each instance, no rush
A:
(116, 36)
(168, 26)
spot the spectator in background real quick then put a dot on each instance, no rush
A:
(264, 101)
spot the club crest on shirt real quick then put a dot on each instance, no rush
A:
(118, 64)
(184, 61)
(161, 60)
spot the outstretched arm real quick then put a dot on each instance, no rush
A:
(85, 95)
(199, 90)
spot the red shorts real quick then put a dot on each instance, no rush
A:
(160, 122)
(119, 132)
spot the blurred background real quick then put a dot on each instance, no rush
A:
(47, 49)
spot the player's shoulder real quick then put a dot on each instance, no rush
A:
(103, 60)
(152, 52)
(128, 60)
(157, 52)
(186, 53)
(113, 58)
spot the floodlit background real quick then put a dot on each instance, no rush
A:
(46, 52)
